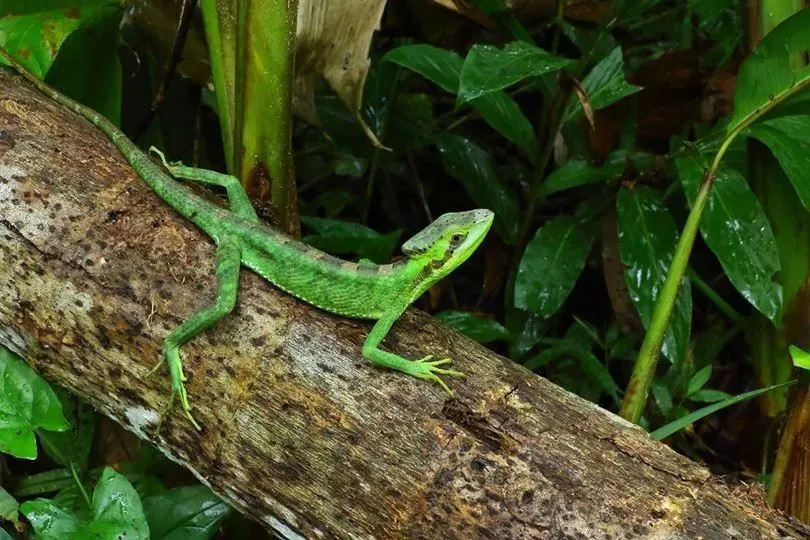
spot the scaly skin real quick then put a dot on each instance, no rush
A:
(360, 290)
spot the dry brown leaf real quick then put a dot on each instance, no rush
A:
(333, 40)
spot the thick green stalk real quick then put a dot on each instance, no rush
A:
(639, 386)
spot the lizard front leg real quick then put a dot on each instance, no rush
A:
(227, 270)
(424, 368)
(238, 199)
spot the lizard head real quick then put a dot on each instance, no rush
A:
(448, 241)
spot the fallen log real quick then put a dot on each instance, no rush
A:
(300, 432)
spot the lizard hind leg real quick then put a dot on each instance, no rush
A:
(227, 271)
(237, 196)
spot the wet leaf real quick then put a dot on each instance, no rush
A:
(117, 513)
(187, 513)
(771, 73)
(472, 166)
(788, 137)
(647, 239)
(488, 69)
(737, 231)
(551, 265)
(49, 521)
(481, 329)
(605, 85)
(27, 403)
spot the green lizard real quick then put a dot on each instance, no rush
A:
(358, 290)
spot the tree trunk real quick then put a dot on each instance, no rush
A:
(300, 432)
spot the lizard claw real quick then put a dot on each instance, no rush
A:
(425, 368)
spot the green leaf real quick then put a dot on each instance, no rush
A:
(801, 359)
(737, 231)
(481, 329)
(788, 137)
(26, 403)
(35, 39)
(665, 431)
(707, 395)
(117, 508)
(773, 71)
(8, 507)
(50, 522)
(578, 172)
(71, 447)
(699, 380)
(605, 85)
(341, 237)
(440, 66)
(488, 69)
(595, 370)
(41, 483)
(551, 265)
(472, 166)
(187, 513)
(662, 397)
(443, 68)
(647, 239)
(4, 535)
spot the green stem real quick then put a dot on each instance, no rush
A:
(710, 293)
(639, 386)
(79, 484)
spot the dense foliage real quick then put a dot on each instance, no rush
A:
(604, 140)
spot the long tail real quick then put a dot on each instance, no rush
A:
(161, 183)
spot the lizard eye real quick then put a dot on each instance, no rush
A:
(457, 238)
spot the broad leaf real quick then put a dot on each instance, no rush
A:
(472, 166)
(605, 85)
(443, 67)
(340, 237)
(647, 239)
(26, 403)
(685, 421)
(788, 137)
(117, 507)
(578, 172)
(773, 71)
(187, 513)
(737, 231)
(488, 69)
(75, 48)
(551, 265)
(50, 522)
(34, 39)
(481, 329)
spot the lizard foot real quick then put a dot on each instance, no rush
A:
(426, 368)
(178, 388)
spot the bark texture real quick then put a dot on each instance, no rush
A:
(300, 432)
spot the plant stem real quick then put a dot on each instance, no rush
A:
(639, 386)
(79, 485)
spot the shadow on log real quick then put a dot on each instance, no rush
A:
(301, 433)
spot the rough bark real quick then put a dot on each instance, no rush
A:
(300, 432)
